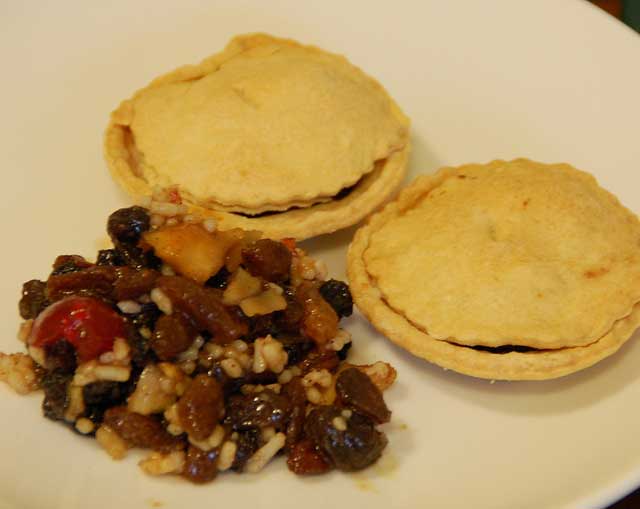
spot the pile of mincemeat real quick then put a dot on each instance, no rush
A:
(216, 350)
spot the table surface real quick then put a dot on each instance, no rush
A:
(632, 501)
(619, 8)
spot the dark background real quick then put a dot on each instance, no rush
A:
(629, 12)
(626, 10)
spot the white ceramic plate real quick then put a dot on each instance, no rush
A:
(547, 79)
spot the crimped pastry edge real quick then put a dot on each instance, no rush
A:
(535, 365)
(118, 158)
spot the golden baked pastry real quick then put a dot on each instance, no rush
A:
(509, 270)
(267, 131)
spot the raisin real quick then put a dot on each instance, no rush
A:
(219, 280)
(125, 226)
(173, 334)
(267, 259)
(264, 378)
(141, 352)
(34, 299)
(295, 427)
(231, 386)
(261, 326)
(54, 384)
(356, 390)
(200, 466)
(103, 393)
(93, 281)
(201, 407)
(65, 264)
(109, 257)
(131, 283)
(296, 393)
(305, 459)
(204, 307)
(327, 359)
(320, 321)
(350, 449)
(258, 410)
(61, 356)
(99, 396)
(285, 322)
(147, 317)
(344, 351)
(137, 257)
(296, 348)
(247, 444)
(288, 320)
(141, 430)
(337, 294)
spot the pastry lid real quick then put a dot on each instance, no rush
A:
(264, 125)
(507, 253)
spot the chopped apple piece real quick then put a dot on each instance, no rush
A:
(190, 250)
(266, 302)
(241, 286)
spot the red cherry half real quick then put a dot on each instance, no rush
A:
(87, 323)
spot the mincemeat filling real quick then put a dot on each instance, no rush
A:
(214, 350)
